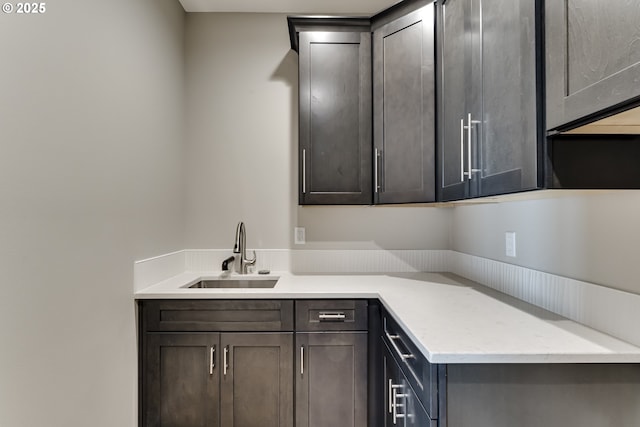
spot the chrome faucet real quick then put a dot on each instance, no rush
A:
(240, 248)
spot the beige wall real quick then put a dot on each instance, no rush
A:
(242, 149)
(593, 237)
(90, 180)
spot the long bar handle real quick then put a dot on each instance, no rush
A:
(225, 363)
(462, 171)
(334, 316)
(304, 171)
(469, 174)
(403, 356)
(392, 386)
(212, 359)
(376, 171)
(396, 395)
(301, 360)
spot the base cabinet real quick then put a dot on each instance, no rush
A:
(402, 407)
(420, 394)
(181, 380)
(256, 387)
(230, 363)
(331, 379)
(211, 379)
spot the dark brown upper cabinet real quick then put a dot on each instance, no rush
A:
(404, 107)
(346, 156)
(490, 140)
(334, 112)
(592, 59)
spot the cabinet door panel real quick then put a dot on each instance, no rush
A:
(181, 385)
(335, 117)
(257, 390)
(331, 384)
(404, 108)
(506, 134)
(592, 57)
(455, 87)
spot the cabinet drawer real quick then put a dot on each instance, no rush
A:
(422, 375)
(217, 315)
(331, 315)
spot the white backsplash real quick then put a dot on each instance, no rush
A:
(608, 310)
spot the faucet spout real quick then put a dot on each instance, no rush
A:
(240, 248)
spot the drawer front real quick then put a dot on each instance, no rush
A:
(217, 315)
(422, 375)
(331, 315)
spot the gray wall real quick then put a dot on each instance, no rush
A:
(242, 136)
(91, 179)
(592, 237)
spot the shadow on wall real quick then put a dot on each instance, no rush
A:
(287, 72)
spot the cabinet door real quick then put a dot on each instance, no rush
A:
(335, 118)
(256, 384)
(331, 382)
(592, 57)
(181, 377)
(402, 407)
(404, 109)
(454, 75)
(504, 121)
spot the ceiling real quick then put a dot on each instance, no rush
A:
(325, 7)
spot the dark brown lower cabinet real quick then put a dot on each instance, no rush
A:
(218, 379)
(181, 380)
(256, 386)
(402, 407)
(331, 379)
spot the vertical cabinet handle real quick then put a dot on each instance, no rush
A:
(376, 170)
(396, 405)
(225, 363)
(469, 128)
(469, 174)
(301, 360)
(304, 171)
(462, 171)
(212, 359)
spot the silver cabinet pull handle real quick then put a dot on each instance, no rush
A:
(376, 184)
(392, 388)
(403, 356)
(462, 171)
(301, 360)
(469, 146)
(225, 363)
(397, 405)
(304, 171)
(326, 316)
(212, 360)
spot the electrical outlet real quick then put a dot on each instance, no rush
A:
(298, 236)
(510, 243)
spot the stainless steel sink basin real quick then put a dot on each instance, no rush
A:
(236, 283)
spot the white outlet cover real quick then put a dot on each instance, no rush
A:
(299, 236)
(510, 243)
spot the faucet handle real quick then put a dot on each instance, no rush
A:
(251, 261)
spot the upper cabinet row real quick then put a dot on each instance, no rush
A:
(372, 129)
(367, 107)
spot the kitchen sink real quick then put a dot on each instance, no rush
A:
(236, 283)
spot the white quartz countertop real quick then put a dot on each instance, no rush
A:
(450, 319)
